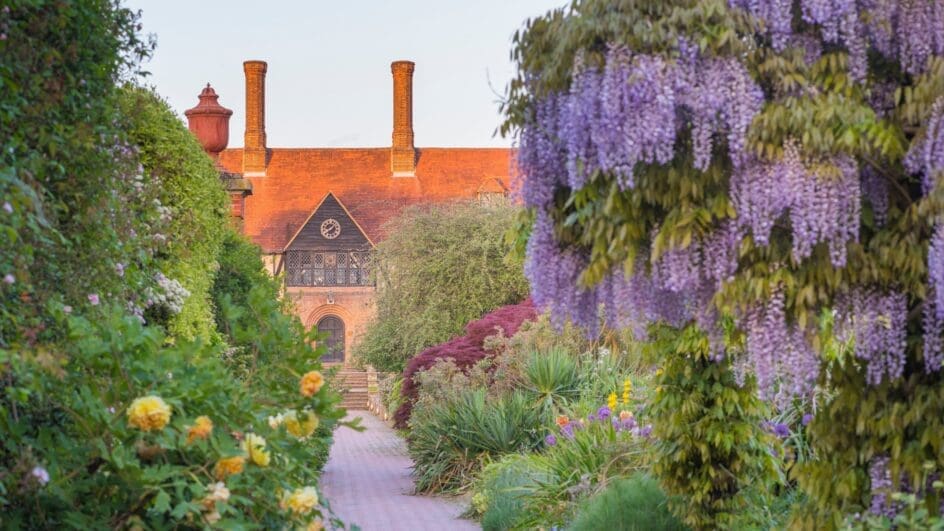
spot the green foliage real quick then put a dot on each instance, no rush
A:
(189, 187)
(66, 171)
(450, 441)
(240, 271)
(503, 489)
(105, 472)
(439, 268)
(552, 378)
(709, 444)
(635, 503)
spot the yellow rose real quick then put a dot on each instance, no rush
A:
(201, 429)
(301, 501)
(311, 383)
(216, 492)
(149, 413)
(314, 525)
(255, 448)
(229, 466)
(300, 427)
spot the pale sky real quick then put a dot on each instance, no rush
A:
(328, 81)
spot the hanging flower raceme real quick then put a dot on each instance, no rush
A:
(877, 324)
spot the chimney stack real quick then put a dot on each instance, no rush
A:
(402, 153)
(254, 150)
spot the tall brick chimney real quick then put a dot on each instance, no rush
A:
(402, 153)
(254, 150)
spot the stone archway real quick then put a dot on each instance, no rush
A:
(332, 327)
(315, 319)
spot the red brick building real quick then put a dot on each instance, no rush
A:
(318, 212)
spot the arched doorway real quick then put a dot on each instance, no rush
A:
(334, 342)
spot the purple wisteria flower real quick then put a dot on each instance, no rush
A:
(550, 440)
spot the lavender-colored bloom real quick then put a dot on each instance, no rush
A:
(550, 440)
(780, 430)
(628, 424)
(7, 207)
(93, 298)
(881, 484)
(604, 413)
(592, 418)
(926, 155)
(9, 278)
(807, 418)
(120, 269)
(568, 430)
(40, 474)
(645, 431)
(878, 322)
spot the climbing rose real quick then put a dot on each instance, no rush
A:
(301, 501)
(201, 429)
(311, 383)
(302, 425)
(149, 413)
(255, 448)
(228, 466)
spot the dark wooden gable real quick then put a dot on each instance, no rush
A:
(309, 238)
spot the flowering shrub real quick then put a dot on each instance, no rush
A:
(156, 435)
(753, 165)
(464, 351)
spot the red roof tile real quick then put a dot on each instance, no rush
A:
(297, 180)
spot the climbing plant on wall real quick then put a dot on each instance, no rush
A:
(770, 165)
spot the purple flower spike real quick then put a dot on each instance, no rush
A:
(604, 413)
(807, 418)
(550, 440)
(646, 431)
(781, 430)
(592, 418)
(568, 431)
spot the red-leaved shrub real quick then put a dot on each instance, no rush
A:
(465, 351)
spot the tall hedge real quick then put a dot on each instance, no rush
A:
(189, 187)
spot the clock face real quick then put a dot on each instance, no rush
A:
(330, 228)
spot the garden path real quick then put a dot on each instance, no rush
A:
(367, 482)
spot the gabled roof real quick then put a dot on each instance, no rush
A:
(309, 235)
(297, 180)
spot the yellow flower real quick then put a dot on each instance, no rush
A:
(149, 413)
(276, 421)
(625, 415)
(659, 371)
(611, 401)
(314, 525)
(627, 388)
(659, 389)
(562, 420)
(201, 429)
(229, 466)
(311, 383)
(255, 447)
(302, 427)
(300, 501)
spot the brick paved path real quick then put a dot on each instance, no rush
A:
(367, 482)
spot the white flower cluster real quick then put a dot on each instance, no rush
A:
(169, 293)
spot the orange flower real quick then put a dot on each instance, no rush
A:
(562, 420)
(625, 415)
(201, 429)
(311, 383)
(229, 466)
